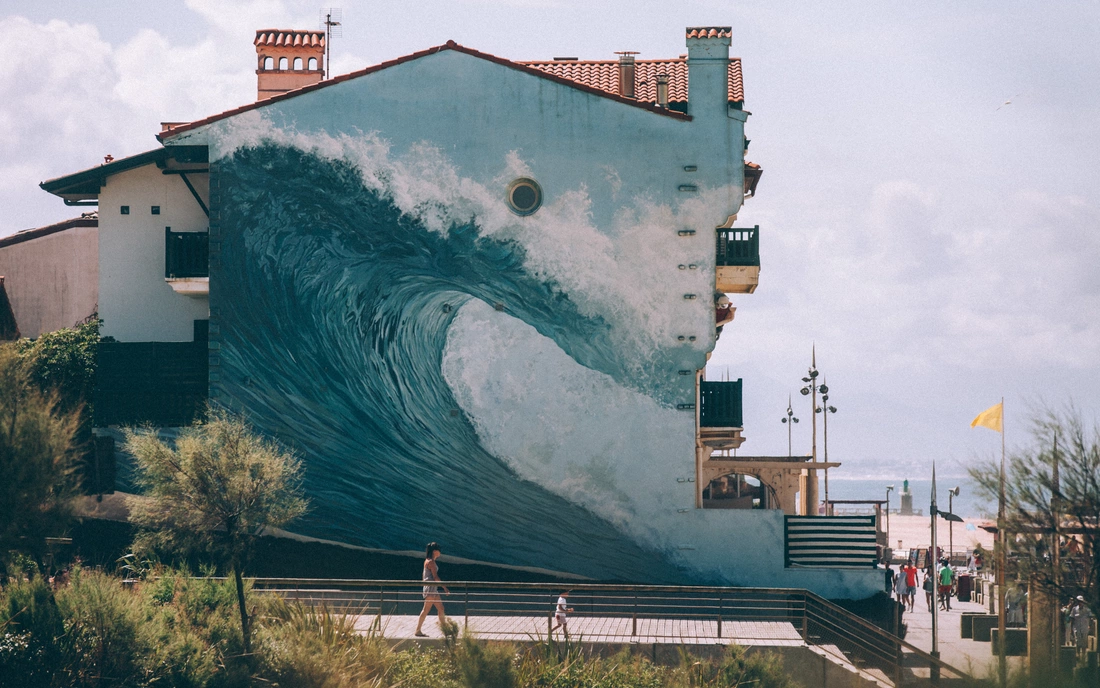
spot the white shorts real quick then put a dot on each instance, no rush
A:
(560, 618)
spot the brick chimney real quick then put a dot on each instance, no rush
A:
(708, 70)
(287, 60)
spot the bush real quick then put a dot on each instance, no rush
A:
(30, 624)
(102, 639)
(485, 666)
(304, 647)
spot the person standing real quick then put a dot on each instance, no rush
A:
(1082, 620)
(947, 578)
(431, 592)
(911, 584)
(899, 587)
(560, 612)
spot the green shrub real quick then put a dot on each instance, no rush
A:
(485, 666)
(303, 647)
(103, 639)
(30, 626)
(23, 664)
(735, 668)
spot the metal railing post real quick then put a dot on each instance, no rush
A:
(466, 608)
(719, 615)
(634, 624)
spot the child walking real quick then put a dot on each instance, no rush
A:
(560, 611)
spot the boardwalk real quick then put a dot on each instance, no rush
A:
(600, 629)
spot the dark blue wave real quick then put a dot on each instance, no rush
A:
(331, 309)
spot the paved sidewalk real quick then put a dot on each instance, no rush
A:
(599, 629)
(975, 658)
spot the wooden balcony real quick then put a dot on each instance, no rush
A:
(737, 260)
(720, 424)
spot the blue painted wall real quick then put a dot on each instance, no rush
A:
(451, 371)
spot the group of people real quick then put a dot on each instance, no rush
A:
(433, 597)
(904, 584)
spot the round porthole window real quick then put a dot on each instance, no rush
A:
(524, 196)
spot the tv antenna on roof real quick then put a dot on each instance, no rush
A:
(331, 18)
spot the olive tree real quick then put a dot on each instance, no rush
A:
(1053, 487)
(213, 491)
(37, 463)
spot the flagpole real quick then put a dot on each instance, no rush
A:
(1002, 562)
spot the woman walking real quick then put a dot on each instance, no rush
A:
(431, 592)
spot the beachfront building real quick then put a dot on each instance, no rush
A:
(476, 295)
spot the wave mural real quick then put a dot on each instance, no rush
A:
(449, 371)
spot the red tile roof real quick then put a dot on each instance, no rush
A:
(604, 75)
(449, 45)
(710, 32)
(86, 220)
(278, 38)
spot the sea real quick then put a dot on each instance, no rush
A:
(967, 505)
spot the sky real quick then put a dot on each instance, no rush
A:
(929, 208)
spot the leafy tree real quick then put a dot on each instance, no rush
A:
(64, 361)
(36, 460)
(214, 492)
(1039, 500)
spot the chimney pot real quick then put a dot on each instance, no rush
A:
(627, 71)
(662, 90)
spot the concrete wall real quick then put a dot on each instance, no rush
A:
(135, 302)
(51, 280)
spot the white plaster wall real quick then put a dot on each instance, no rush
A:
(135, 302)
(51, 280)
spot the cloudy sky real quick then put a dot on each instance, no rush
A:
(929, 207)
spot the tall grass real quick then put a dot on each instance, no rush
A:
(177, 631)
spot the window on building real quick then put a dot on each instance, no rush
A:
(282, 63)
(124, 210)
(297, 63)
(524, 196)
(155, 210)
(269, 63)
(312, 63)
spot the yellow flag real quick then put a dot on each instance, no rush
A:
(992, 418)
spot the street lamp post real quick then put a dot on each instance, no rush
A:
(952, 493)
(889, 488)
(825, 410)
(811, 389)
(790, 420)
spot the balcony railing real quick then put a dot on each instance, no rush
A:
(738, 246)
(720, 404)
(186, 254)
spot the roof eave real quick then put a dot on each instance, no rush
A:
(85, 184)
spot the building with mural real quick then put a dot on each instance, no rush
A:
(477, 296)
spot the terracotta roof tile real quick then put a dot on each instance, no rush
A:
(604, 75)
(279, 38)
(710, 32)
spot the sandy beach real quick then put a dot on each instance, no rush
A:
(916, 531)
